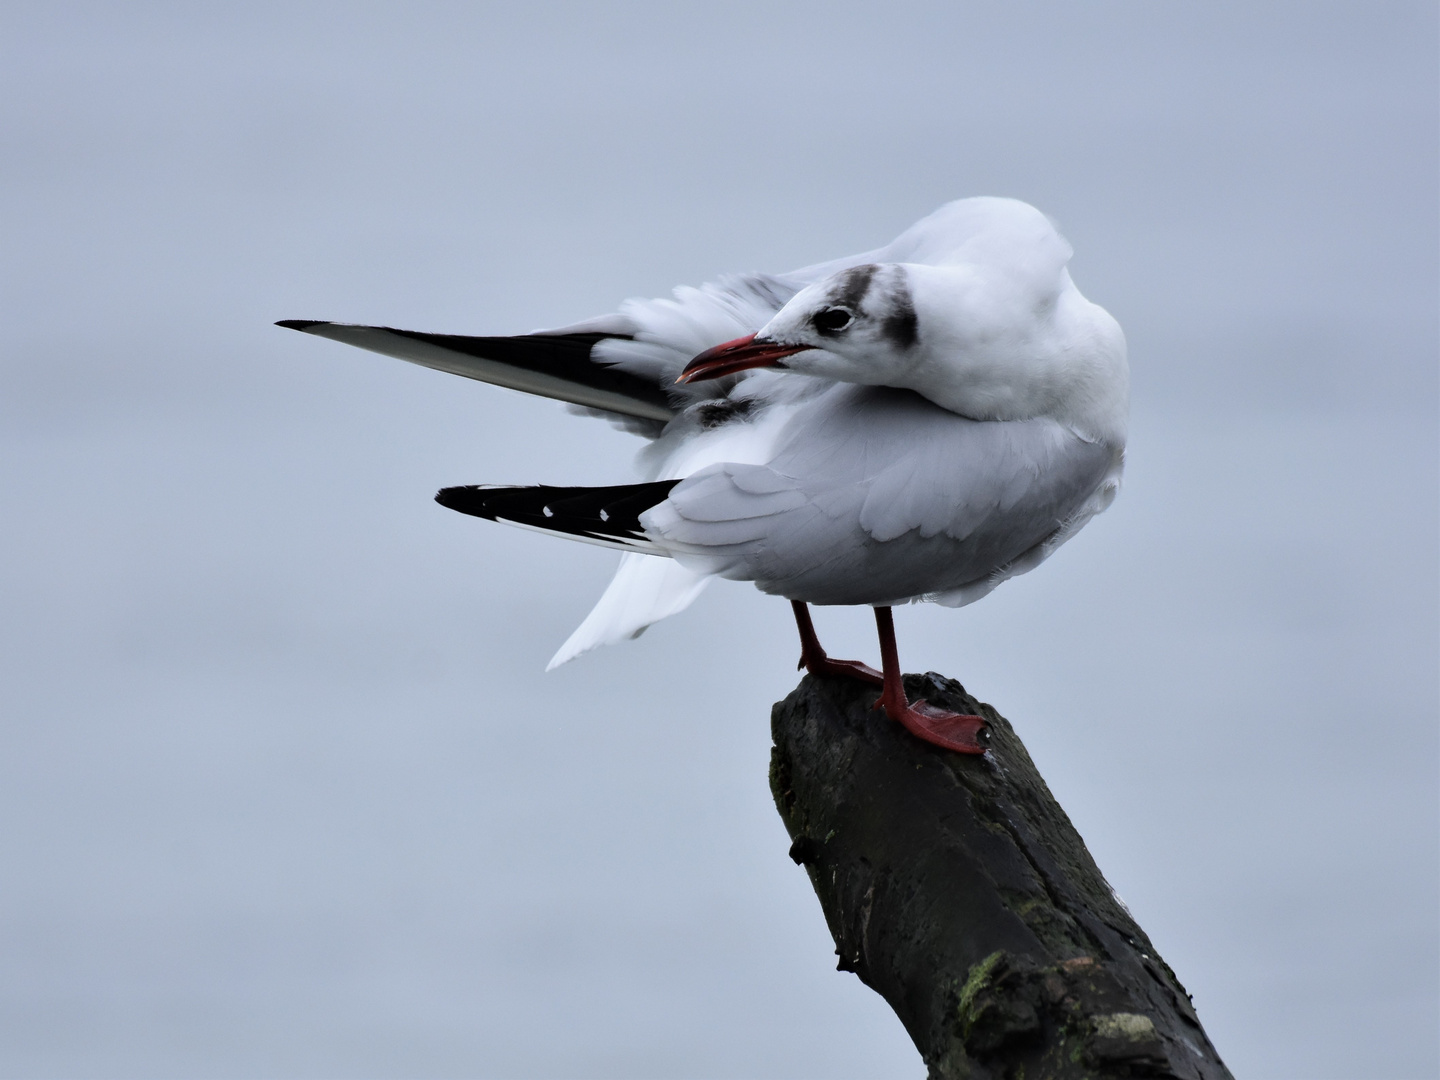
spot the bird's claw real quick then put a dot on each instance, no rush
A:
(952, 731)
(841, 669)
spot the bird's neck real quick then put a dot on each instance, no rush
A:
(1069, 366)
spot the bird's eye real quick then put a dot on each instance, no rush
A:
(832, 320)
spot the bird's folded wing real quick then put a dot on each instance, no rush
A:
(948, 499)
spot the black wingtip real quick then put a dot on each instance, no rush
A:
(300, 324)
(467, 500)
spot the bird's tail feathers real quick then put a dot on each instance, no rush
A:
(643, 591)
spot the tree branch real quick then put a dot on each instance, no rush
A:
(956, 887)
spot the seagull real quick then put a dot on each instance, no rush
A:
(920, 422)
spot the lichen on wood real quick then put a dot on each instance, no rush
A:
(957, 888)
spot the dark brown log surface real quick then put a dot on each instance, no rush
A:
(956, 887)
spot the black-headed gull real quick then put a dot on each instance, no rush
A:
(918, 422)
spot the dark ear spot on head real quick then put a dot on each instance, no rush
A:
(901, 328)
(854, 284)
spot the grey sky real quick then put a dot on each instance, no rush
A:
(283, 790)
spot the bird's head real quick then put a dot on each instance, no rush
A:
(858, 326)
(1002, 339)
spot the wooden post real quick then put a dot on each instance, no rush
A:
(956, 887)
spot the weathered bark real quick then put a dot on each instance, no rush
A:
(956, 887)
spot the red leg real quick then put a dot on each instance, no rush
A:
(814, 660)
(950, 730)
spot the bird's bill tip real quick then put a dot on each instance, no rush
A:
(740, 354)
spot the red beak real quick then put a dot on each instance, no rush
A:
(732, 356)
